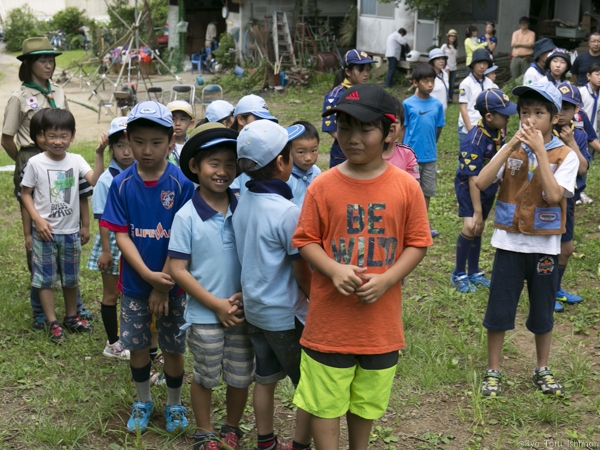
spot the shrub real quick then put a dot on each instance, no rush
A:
(225, 54)
(69, 20)
(22, 24)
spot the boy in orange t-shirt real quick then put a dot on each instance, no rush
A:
(363, 227)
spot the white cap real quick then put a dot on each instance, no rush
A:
(255, 105)
(261, 141)
(118, 124)
(218, 110)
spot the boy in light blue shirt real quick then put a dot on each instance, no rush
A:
(204, 262)
(275, 279)
(305, 151)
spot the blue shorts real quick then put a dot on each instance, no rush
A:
(510, 271)
(570, 221)
(465, 205)
(59, 257)
(136, 320)
(277, 353)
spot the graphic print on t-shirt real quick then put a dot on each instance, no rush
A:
(61, 184)
(344, 249)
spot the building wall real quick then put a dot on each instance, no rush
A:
(45, 9)
(372, 31)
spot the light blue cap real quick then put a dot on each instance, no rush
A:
(218, 110)
(436, 53)
(153, 111)
(295, 131)
(255, 105)
(216, 142)
(545, 89)
(261, 141)
(118, 124)
(491, 69)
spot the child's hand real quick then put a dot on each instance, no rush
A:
(346, 279)
(103, 143)
(373, 289)
(28, 242)
(158, 303)
(84, 235)
(161, 281)
(531, 137)
(476, 224)
(566, 135)
(514, 143)
(105, 261)
(44, 229)
(236, 303)
(226, 314)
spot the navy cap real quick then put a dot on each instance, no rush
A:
(481, 54)
(570, 93)
(559, 53)
(542, 46)
(545, 89)
(153, 111)
(356, 57)
(495, 101)
(365, 102)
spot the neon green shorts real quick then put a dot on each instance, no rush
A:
(333, 384)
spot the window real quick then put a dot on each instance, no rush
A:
(374, 8)
(484, 10)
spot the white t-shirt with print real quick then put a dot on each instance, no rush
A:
(469, 89)
(56, 189)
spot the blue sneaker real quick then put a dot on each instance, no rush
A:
(558, 307)
(478, 279)
(175, 418)
(567, 297)
(86, 315)
(434, 233)
(39, 323)
(141, 412)
(461, 282)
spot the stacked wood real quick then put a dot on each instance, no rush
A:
(298, 76)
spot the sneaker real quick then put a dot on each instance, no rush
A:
(567, 297)
(491, 386)
(478, 279)
(115, 350)
(206, 442)
(558, 307)
(86, 315)
(230, 437)
(461, 282)
(57, 335)
(157, 378)
(39, 323)
(585, 199)
(544, 380)
(175, 418)
(77, 325)
(141, 412)
(281, 445)
(434, 233)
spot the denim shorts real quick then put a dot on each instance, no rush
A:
(509, 273)
(136, 320)
(277, 353)
(57, 258)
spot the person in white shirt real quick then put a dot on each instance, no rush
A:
(438, 60)
(393, 51)
(537, 69)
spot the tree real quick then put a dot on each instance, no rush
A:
(69, 20)
(428, 8)
(22, 24)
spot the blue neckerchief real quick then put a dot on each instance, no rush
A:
(536, 67)
(554, 143)
(273, 186)
(478, 82)
(113, 168)
(299, 173)
(595, 97)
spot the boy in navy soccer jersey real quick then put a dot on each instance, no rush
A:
(141, 205)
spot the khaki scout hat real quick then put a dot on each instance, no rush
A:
(37, 46)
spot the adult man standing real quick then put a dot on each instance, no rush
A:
(522, 48)
(393, 49)
(585, 60)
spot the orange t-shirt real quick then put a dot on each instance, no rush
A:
(520, 37)
(366, 223)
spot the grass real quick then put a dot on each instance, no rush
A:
(72, 397)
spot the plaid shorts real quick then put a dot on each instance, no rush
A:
(92, 263)
(59, 257)
(214, 348)
(136, 321)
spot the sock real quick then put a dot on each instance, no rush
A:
(267, 441)
(109, 318)
(153, 353)
(474, 255)
(141, 378)
(561, 272)
(297, 446)
(463, 247)
(174, 385)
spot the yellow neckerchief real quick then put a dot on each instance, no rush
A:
(557, 133)
(497, 140)
(346, 83)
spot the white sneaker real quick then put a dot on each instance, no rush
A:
(585, 198)
(115, 350)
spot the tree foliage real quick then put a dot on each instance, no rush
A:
(428, 8)
(69, 20)
(21, 24)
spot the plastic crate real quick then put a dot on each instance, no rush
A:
(576, 33)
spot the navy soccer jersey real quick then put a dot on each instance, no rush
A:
(145, 211)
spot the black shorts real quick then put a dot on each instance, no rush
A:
(570, 221)
(465, 205)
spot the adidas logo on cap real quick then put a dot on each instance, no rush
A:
(353, 96)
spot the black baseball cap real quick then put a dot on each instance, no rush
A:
(365, 102)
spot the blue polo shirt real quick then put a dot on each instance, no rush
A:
(581, 139)
(204, 238)
(582, 121)
(102, 187)
(329, 123)
(299, 181)
(264, 222)
(422, 119)
(146, 211)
